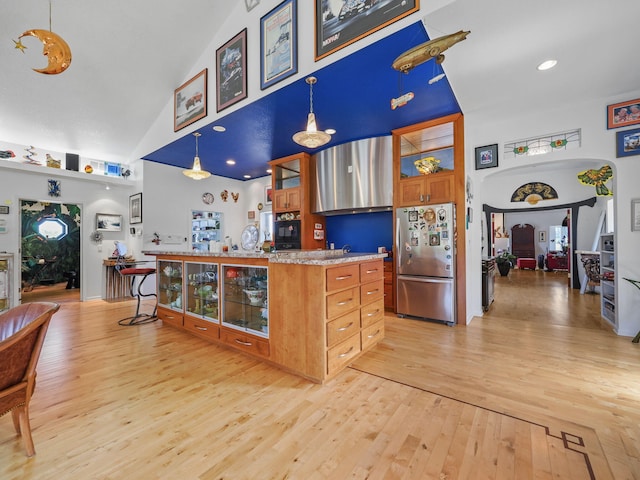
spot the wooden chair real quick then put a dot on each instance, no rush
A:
(22, 331)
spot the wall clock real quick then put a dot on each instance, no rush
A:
(207, 198)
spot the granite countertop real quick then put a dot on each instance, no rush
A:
(306, 257)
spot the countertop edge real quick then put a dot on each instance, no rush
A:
(304, 258)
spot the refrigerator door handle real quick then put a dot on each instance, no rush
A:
(398, 246)
(425, 279)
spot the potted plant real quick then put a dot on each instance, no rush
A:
(505, 261)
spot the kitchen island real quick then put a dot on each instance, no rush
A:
(308, 312)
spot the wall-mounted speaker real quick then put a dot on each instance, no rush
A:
(72, 162)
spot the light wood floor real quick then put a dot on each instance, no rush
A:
(537, 388)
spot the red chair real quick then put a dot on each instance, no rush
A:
(136, 276)
(22, 332)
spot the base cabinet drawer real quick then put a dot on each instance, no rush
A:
(247, 343)
(342, 328)
(170, 317)
(342, 277)
(370, 271)
(371, 291)
(372, 313)
(372, 334)
(343, 302)
(202, 328)
(342, 354)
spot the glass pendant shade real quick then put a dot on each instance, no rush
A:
(196, 172)
(311, 137)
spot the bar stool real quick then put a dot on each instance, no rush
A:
(136, 276)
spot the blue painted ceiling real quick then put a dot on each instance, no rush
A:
(352, 96)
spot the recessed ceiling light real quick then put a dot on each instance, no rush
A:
(547, 65)
(231, 162)
(269, 170)
(219, 128)
(247, 176)
(330, 131)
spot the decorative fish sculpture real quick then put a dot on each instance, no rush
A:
(7, 154)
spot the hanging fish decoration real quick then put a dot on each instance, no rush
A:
(7, 154)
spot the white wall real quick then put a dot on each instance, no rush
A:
(169, 197)
(91, 196)
(494, 186)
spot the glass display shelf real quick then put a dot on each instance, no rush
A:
(245, 299)
(169, 273)
(202, 290)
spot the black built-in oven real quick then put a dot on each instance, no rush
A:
(287, 235)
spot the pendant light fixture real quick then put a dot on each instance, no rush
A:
(311, 137)
(196, 173)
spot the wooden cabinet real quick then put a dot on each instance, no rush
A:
(6, 283)
(438, 188)
(389, 274)
(287, 200)
(338, 315)
(291, 194)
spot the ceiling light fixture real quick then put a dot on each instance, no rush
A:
(311, 137)
(546, 65)
(196, 172)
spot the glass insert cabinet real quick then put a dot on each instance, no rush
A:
(245, 302)
(234, 296)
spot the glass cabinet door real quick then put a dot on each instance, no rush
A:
(202, 290)
(245, 302)
(169, 273)
(6, 267)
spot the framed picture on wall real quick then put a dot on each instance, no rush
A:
(339, 24)
(135, 208)
(487, 156)
(267, 195)
(107, 222)
(278, 44)
(628, 143)
(623, 114)
(190, 101)
(231, 71)
(635, 215)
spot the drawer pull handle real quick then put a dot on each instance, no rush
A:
(204, 329)
(374, 334)
(170, 316)
(372, 271)
(347, 327)
(373, 313)
(345, 353)
(246, 344)
(344, 277)
(345, 302)
(371, 292)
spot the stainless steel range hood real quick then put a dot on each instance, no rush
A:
(353, 177)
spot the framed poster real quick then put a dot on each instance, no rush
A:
(487, 156)
(635, 215)
(107, 222)
(190, 101)
(278, 44)
(339, 24)
(231, 71)
(623, 114)
(628, 143)
(267, 195)
(135, 208)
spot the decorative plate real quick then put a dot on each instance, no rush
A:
(207, 198)
(249, 237)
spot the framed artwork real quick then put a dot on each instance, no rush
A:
(190, 101)
(278, 44)
(135, 208)
(623, 114)
(542, 236)
(231, 71)
(339, 24)
(108, 222)
(628, 143)
(635, 215)
(267, 195)
(487, 156)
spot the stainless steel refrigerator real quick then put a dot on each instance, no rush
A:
(425, 259)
